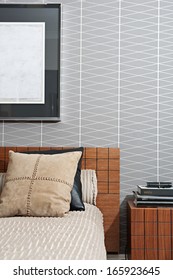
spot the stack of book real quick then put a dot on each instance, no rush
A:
(154, 194)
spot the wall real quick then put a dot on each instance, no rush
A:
(116, 88)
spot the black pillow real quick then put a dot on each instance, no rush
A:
(76, 193)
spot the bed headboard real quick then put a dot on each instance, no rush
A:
(106, 162)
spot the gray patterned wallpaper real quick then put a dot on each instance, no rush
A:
(116, 88)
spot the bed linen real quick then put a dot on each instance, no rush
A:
(79, 235)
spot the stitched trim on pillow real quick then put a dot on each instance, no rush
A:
(31, 185)
(40, 179)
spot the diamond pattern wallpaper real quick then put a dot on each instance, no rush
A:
(138, 96)
(116, 88)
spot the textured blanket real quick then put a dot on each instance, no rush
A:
(77, 236)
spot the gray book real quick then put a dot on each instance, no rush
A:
(145, 198)
(143, 190)
(153, 203)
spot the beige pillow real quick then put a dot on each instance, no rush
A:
(38, 184)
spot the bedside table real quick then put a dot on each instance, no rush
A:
(149, 232)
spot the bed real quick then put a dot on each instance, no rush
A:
(88, 234)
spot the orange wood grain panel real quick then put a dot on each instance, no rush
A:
(164, 215)
(109, 206)
(150, 214)
(164, 233)
(91, 164)
(114, 164)
(165, 255)
(90, 152)
(137, 254)
(102, 176)
(137, 215)
(151, 254)
(137, 228)
(172, 233)
(114, 153)
(103, 164)
(137, 242)
(151, 242)
(151, 245)
(113, 176)
(164, 244)
(150, 228)
(2, 162)
(103, 153)
(114, 187)
(103, 187)
(164, 228)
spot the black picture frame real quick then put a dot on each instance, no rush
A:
(51, 15)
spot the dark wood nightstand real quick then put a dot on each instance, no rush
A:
(149, 232)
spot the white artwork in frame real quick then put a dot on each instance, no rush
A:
(22, 62)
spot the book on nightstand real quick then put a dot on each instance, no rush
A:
(154, 194)
(155, 200)
(153, 203)
(144, 190)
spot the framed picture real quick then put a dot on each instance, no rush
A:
(30, 62)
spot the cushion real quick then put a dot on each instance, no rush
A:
(76, 193)
(38, 185)
(2, 181)
(89, 186)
